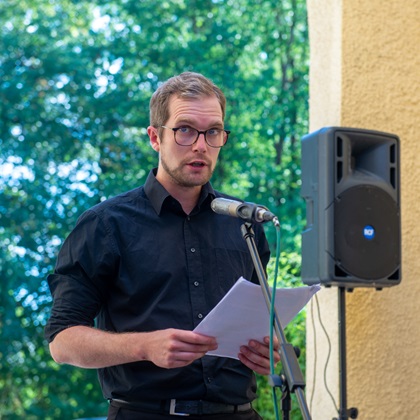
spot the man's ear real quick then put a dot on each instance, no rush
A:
(154, 138)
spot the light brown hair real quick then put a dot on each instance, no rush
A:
(187, 85)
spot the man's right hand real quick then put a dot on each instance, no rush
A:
(177, 348)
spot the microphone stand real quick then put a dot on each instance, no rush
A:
(293, 378)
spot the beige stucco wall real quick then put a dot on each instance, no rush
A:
(365, 73)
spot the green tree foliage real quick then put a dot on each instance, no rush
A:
(75, 81)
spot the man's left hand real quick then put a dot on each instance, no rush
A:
(256, 355)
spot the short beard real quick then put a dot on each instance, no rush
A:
(181, 180)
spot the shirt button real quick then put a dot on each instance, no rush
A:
(200, 316)
(192, 249)
(209, 379)
(196, 283)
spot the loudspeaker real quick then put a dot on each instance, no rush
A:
(351, 185)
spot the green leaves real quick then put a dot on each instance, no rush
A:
(76, 78)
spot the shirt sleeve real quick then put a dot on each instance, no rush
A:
(86, 263)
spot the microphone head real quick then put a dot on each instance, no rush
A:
(249, 212)
(225, 206)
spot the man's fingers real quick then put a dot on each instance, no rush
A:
(256, 356)
(254, 361)
(195, 342)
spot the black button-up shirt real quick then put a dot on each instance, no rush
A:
(137, 262)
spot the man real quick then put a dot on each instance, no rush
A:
(149, 265)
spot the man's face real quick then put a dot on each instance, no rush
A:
(187, 166)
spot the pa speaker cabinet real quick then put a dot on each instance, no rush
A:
(351, 185)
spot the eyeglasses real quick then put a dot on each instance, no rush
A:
(187, 136)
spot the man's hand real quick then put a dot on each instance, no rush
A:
(173, 348)
(256, 355)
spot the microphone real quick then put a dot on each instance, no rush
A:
(249, 212)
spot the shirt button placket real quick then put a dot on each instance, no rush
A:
(195, 272)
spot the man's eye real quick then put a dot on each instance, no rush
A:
(213, 131)
(184, 130)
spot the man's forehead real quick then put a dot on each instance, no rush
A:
(208, 107)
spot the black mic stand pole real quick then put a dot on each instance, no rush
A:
(294, 381)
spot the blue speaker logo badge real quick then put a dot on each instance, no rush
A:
(369, 232)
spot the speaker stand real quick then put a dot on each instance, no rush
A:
(344, 412)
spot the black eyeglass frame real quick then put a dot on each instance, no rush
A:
(198, 135)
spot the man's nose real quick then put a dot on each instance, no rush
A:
(201, 143)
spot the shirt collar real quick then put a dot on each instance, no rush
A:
(157, 194)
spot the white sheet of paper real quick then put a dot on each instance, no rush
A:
(243, 315)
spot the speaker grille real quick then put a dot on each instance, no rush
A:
(366, 229)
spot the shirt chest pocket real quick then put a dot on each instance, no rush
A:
(232, 264)
(141, 257)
